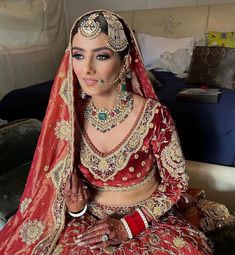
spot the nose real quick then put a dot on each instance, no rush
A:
(89, 67)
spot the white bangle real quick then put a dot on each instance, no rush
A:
(128, 230)
(142, 217)
(79, 214)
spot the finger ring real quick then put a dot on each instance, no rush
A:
(105, 238)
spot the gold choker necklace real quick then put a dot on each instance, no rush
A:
(104, 120)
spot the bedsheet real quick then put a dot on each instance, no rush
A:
(206, 131)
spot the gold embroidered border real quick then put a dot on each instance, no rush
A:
(172, 158)
(157, 206)
(65, 92)
(107, 167)
(59, 174)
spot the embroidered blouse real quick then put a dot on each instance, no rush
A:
(151, 148)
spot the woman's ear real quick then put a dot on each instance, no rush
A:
(127, 61)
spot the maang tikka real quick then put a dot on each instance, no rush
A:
(90, 28)
(117, 40)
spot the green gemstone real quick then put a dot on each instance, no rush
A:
(102, 116)
(123, 87)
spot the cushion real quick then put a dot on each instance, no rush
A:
(176, 62)
(226, 39)
(152, 47)
(212, 66)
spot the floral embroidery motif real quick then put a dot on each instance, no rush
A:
(107, 167)
(31, 231)
(24, 205)
(63, 130)
(169, 24)
(179, 242)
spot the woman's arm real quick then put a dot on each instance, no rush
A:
(171, 165)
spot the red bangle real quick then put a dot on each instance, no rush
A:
(136, 222)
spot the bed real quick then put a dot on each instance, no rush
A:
(206, 130)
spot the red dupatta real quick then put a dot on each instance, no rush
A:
(40, 218)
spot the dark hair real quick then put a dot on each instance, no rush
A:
(104, 28)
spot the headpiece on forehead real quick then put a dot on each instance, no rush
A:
(90, 29)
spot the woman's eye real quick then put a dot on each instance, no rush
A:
(102, 57)
(78, 56)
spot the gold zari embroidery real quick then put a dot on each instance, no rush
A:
(58, 250)
(157, 206)
(58, 174)
(105, 168)
(25, 203)
(63, 130)
(65, 92)
(179, 242)
(172, 157)
(217, 215)
(31, 231)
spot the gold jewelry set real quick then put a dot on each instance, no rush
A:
(90, 29)
(104, 120)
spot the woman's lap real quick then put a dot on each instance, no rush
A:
(170, 235)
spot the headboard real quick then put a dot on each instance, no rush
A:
(182, 21)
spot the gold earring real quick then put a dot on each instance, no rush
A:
(83, 94)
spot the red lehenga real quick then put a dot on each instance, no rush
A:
(151, 150)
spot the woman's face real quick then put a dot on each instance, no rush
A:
(93, 62)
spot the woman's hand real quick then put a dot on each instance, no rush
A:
(106, 232)
(75, 193)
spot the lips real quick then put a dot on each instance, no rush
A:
(90, 82)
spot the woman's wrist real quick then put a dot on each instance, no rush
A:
(135, 223)
(79, 213)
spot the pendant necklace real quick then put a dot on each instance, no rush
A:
(104, 120)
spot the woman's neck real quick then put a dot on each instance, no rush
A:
(107, 100)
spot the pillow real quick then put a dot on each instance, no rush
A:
(152, 47)
(212, 66)
(176, 62)
(225, 39)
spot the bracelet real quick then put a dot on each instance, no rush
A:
(135, 223)
(143, 217)
(127, 228)
(78, 214)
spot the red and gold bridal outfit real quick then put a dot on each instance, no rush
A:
(151, 150)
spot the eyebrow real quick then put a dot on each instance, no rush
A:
(94, 50)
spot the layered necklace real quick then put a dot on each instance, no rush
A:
(104, 120)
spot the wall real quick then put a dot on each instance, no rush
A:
(74, 8)
(32, 42)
